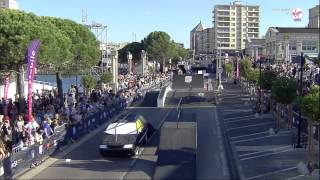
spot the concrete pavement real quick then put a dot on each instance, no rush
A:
(259, 153)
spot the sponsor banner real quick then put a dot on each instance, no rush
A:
(32, 62)
(6, 86)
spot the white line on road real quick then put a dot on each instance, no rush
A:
(278, 148)
(246, 135)
(225, 169)
(271, 173)
(268, 154)
(253, 118)
(252, 139)
(296, 177)
(124, 174)
(253, 125)
(238, 117)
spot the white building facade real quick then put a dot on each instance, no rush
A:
(234, 23)
(283, 43)
(9, 4)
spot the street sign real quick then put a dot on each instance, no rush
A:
(220, 70)
(187, 79)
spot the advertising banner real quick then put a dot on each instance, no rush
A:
(32, 62)
(6, 86)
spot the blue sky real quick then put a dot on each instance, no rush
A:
(176, 17)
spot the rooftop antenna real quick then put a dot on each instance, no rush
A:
(84, 17)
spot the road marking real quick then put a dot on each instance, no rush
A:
(253, 125)
(242, 120)
(273, 172)
(251, 139)
(225, 169)
(294, 177)
(267, 154)
(124, 174)
(258, 137)
(273, 149)
(236, 137)
(240, 117)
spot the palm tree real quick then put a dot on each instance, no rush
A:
(284, 91)
(310, 108)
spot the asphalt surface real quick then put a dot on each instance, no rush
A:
(194, 150)
(259, 153)
(87, 163)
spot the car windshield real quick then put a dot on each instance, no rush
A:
(121, 128)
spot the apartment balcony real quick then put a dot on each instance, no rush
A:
(223, 37)
(223, 25)
(223, 15)
(223, 31)
(253, 21)
(222, 9)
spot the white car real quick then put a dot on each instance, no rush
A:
(126, 135)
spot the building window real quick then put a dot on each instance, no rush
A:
(309, 46)
(292, 47)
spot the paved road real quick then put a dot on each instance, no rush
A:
(193, 151)
(87, 163)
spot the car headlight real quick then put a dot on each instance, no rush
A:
(103, 146)
(128, 146)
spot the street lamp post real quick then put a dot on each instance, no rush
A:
(260, 90)
(129, 57)
(219, 68)
(301, 85)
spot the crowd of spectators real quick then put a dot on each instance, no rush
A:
(16, 132)
(311, 72)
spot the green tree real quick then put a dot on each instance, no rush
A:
(245, 68)
(88, 82)
(228, 68)
(134, 48)
(253, 76)
(17, 30)
(284, 91)
(82, 53)
(106, 78)
(311, 109)
(159, 47)
(178, 53)
(266, 79)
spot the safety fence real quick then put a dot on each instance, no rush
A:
(23, 158)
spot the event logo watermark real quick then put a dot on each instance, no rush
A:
(296, 14)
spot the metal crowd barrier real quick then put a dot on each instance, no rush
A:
(24, 158)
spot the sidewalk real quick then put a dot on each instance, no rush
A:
(258, 152)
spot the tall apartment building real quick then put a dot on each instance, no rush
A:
(9, 4)
(234, 24)
(206, 41)
(195, 36)
(201, 40)
(314, 17)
